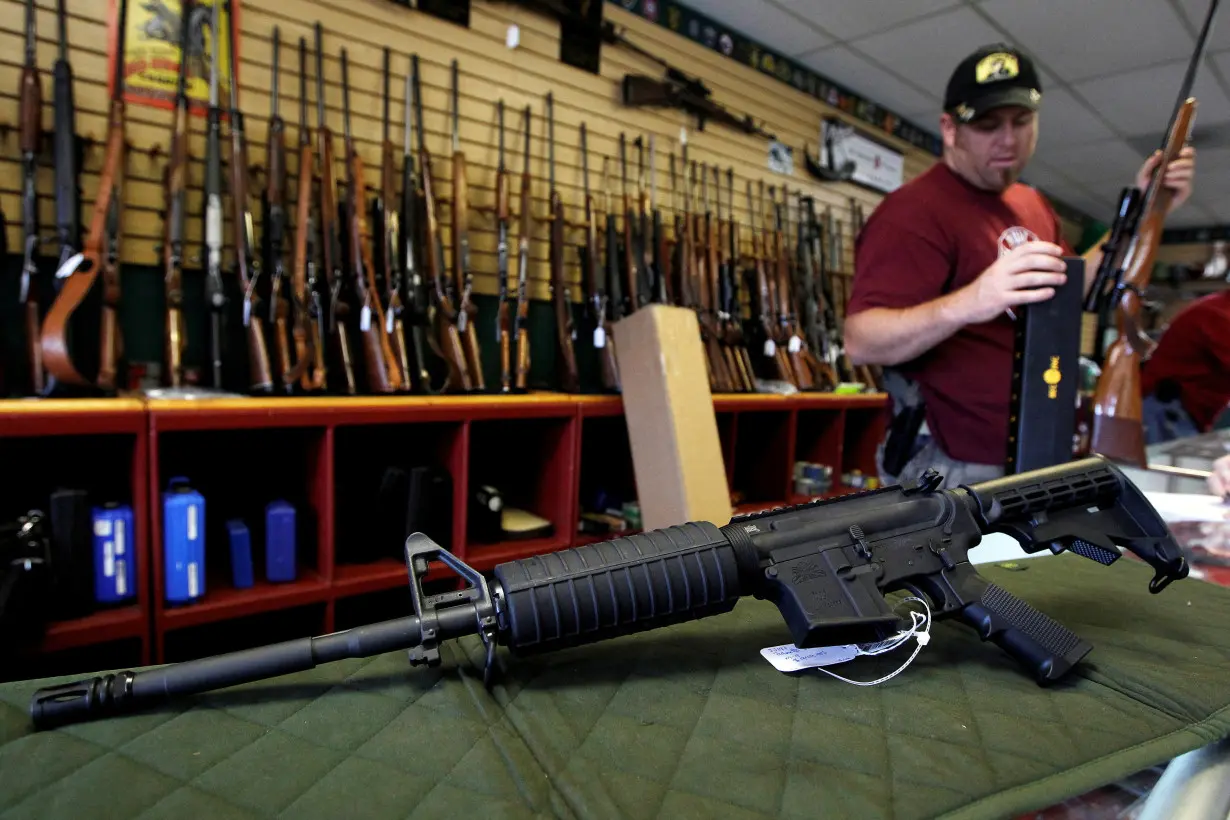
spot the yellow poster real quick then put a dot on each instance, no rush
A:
(152, 37)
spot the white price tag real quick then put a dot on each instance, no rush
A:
(770, 348)
(795, 344)
(388, 322)
(513, 38)
(789, 658)
(365, 319)
(599, 337)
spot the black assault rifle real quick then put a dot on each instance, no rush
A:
(845, 553)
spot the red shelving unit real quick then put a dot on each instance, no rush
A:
(344, 464)
(101, 447)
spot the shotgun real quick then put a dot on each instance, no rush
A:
(390, 242)
(565, 331)
(433, 249)
(275, 234)
(173, 236)
(67, 154)
(734, 305)
(503, 325)
(330, 233)
(246, 263)
(99, 254)
(521, 319)
(307, 306)
(604, 341)
(214, 294)
(31, 139)
(462, 272)
(382, 373)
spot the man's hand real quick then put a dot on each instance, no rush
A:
(1028, 273)
(1180, 175)
(1219, 481)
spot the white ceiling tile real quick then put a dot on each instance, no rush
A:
(843, 66)
(927, 51)
(850, 19)
(1064, 121)
(764, 22)
(1109, 160)
(1093, 38)
(1139, 103)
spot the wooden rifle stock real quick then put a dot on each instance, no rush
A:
(100, 253)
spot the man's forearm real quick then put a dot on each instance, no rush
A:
(889, 336)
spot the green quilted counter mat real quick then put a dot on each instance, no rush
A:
(688, 721)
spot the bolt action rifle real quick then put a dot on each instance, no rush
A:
(1127, 262)
(247, 265)
(719, 360)
(565, 330)
(330, 234)
(734, 304)
(100, 254)
(725, 303)
(67, 155)
(383, 375)
(848, 552)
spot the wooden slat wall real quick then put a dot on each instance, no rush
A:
(489, 71)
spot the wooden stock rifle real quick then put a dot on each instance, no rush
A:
(307, 305)
(175, 191)
(727, 303)
(565, 331)
(632, 298)
(330, 233)
(289, 369)
(390, 241)
(503, 324)
(521, 332)
(433, 247)
(383, 375)
(604, 340)
(31, 106)
(761, 250)
(463, 274)
(99, 254)
(720, 360)
(1127, 262)
(246, 265)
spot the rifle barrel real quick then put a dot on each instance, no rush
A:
(303, 89)
(456, 112)
(320, 81)
(345, 98)
(386, 94)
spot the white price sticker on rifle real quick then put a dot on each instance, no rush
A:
(770, 348)
(365, 319)
(599, 337)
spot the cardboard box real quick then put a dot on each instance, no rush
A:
(672, 428)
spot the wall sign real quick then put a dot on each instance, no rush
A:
(152, 51)
(876, 166)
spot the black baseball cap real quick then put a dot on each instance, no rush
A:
(992, 77)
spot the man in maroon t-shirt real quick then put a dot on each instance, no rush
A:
(1189, 370)
(944, 258)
